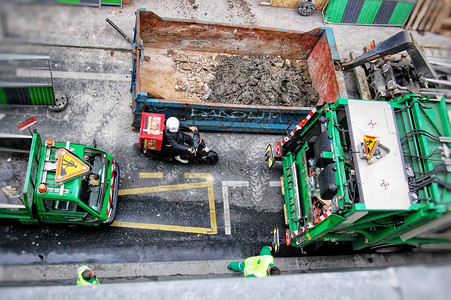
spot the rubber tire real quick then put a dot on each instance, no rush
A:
(394, 248)
(212, 158)
(61, 103)
(306, 7)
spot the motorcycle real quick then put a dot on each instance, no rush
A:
(202, 154)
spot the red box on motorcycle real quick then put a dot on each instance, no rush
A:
(151, 132)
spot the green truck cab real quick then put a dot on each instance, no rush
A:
(368, 173)
(54, 183)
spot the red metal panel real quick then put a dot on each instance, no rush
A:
(322, 72)
(195, 36)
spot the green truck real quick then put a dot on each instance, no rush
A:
(374, 174)
(51, 182)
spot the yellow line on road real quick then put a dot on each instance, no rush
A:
(211, 200)
(164, 227)
(164, 188)
(207, 176)
(150, 175)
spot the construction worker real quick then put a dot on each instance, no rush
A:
(86, 276)
(257, 266)
(177, 143)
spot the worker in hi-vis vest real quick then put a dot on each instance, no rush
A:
(257, 266)
(86, 276)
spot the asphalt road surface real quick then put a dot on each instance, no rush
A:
(166, 211)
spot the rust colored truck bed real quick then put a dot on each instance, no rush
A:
(159, 85)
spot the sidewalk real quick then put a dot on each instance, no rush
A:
(390, 283)
(127, 272)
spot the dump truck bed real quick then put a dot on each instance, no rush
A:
(175, 63)
(14, 153)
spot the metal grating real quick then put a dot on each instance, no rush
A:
(380, 12)
(401, 13)
(352, 11)
(335, 11)
(369, 12)
(26, 80)
(385, 12)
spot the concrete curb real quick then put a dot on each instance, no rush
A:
(419, 282)
(12, 275)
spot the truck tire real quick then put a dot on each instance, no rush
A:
(392, 248)
(306, 7)
(60, 102)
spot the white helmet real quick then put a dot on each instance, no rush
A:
(173, 124)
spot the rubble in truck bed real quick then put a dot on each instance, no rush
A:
(251, 80)
(13, 167)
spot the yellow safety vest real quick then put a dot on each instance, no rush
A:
(81, 281)
(257, 265)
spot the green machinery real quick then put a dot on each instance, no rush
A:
(27, 80)
(370, 173)
(56, 182)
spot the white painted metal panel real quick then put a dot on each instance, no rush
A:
(383, 184)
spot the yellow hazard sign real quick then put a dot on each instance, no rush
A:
(370, 145)
(69, 166)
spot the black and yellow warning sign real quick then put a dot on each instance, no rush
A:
(370, 145)
(70, 166)
(269, 156)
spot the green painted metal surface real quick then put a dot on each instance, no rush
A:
(369, 11)
(335, 10)
(53, 207)
(41, 95)
(111, 2)
(420, 123)
(401, 13)
(2, 97)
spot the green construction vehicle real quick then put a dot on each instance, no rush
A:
(369, 173)
(56, 182)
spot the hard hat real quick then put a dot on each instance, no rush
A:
(173, 124)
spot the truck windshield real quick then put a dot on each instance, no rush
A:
(93, 185)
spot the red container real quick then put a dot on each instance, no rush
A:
(151, 132)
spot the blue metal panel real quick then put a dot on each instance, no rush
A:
(329, 34)
(249, 118)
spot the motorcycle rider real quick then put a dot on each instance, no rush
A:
(177, 143)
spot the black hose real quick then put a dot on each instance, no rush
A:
(118, 30)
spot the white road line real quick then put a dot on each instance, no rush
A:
(225, 199)
(237, 183)
(73, 75)
(275, 183)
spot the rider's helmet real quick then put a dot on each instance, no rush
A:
(173, 124)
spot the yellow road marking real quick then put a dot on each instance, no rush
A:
(165, 188)
(211, 200)
(207, 176)
(164, 227)
(150, 175)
